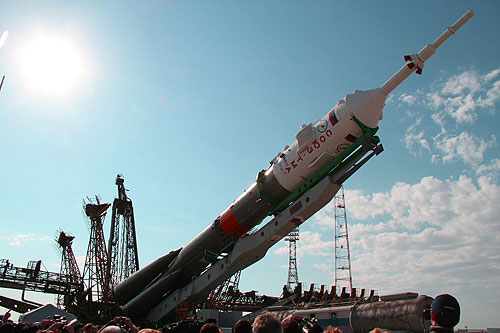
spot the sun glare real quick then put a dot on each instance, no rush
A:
(51, 65)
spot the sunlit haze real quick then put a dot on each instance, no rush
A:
(51, 65)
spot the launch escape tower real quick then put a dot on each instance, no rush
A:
(94, 271)
(123, 258)
(69, 268)
(343, 277)
(293, 275)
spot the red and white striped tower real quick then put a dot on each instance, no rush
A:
(343, 277)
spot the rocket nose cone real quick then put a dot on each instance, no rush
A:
(366, 105)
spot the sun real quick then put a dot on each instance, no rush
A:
(51, 65)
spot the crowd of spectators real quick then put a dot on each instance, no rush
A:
(444, 315)
(265, 323)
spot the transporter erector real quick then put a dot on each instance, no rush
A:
(324, 151)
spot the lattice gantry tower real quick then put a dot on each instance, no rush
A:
(293, 275)
(343, 277)
(123, 258)
(69, 268)
(94, 271)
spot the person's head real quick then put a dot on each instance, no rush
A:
(331, 329)
(242, 326)
(111, 329)
(445, 311)
(210, 328)
(290, 325)
(378, 330)
(89, 328)
(46, 323)
(267, 323)
(25, 327)
(8, 327)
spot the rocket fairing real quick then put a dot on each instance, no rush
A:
(314, 148)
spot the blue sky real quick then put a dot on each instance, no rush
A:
(190, 100)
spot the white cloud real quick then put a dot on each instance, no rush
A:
(492, 96)
(324, 219)
(463, 94)
(438, 119)
(282, 250)
(325, 267)
(461, 98)
(18, 240)
(491, 75)
(465, 146)
(433, 236)
(408, 99)
(310, 243)
(430, 232)
(493, 166)
(415, 138)
(23, 239)
(434, 100)
(80, 261)
(462, 108)
(458, 84)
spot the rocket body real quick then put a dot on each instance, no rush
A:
(314, 147)
(318, 143)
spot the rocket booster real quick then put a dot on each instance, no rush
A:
(315, 146)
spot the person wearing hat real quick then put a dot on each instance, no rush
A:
(445, 314)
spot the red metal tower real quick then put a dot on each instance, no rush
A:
(69, 268)
(123, 258)
(94, 271)
(343, 277)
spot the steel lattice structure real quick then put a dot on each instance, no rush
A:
(34, 278)
(293, 275)
(123, 257)
(69, 268)
(343, 277)
(225, 295)
(94, 271)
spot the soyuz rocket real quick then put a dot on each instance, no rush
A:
(289, 174)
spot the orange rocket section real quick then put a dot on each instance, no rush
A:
(230, 224)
